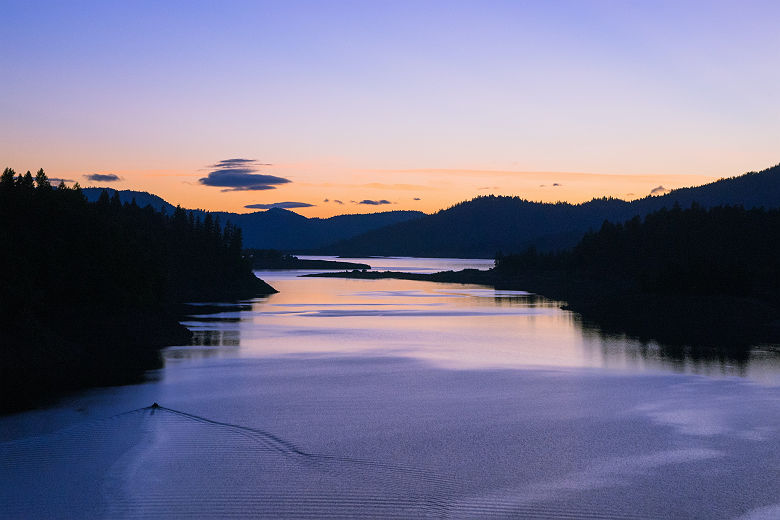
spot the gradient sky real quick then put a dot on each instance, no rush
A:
(418, 104)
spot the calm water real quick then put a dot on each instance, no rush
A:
(391, 398)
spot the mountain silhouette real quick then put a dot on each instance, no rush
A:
(288, 231)
(486, 225)
(142, 198)
(276, 228)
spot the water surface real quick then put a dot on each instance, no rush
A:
(392, 398)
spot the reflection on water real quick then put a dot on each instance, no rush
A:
(451, 325)
(332, 399)
(209, 337)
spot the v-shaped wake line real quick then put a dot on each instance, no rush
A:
(159, 462)
(288, 448)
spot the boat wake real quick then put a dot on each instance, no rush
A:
(157, 462)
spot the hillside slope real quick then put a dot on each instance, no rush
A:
(285, 230)
(276, 228)
(486, 225)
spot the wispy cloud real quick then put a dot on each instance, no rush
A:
(237, 163)
(337, 201)
(57, 180)
(416, 198)
(239, 175)
(103, 177)
(283, 205)
(659, 190)
(374, 202)
(383, 186)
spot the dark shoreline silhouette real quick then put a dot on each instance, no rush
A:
(273, 259)
(91, 291)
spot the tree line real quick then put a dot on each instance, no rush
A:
(725, 250)
(88, 290)
(702, 282)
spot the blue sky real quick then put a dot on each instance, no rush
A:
(338, 96)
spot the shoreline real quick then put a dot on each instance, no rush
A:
(87, 347)
(298, 263)
(687, 324)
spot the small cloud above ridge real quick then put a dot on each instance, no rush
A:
(103, 177)
(236, 163)
(659, 190)
(374, 202)
(282, 205)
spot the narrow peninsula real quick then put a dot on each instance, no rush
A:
(274, 259)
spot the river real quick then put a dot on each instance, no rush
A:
(394, 398)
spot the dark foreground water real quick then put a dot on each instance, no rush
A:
(390, 398)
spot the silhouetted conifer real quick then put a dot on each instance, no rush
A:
(88, 279)
(41, 180)
(7, 179)
(25, 181)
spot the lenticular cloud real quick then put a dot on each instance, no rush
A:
(239, 175)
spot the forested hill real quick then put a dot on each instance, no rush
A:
(486, 225)
(141, 198)
(695, 277)
(277, 228)
(285, 230)
(751, 190)
(723, 250)
(89, 290)
(481, 227)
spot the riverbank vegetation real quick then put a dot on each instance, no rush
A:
(89, 290)
(696, 276)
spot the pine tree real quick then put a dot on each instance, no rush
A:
(7, 179)
(25, 181)
(41, 180)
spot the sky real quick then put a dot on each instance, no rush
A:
(331, 107)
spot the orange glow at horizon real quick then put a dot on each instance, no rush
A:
(427, 190)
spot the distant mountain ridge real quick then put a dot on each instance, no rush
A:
(478, 228)
(277, 228)
(287, 231)
(486, 225)
(141, 198)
